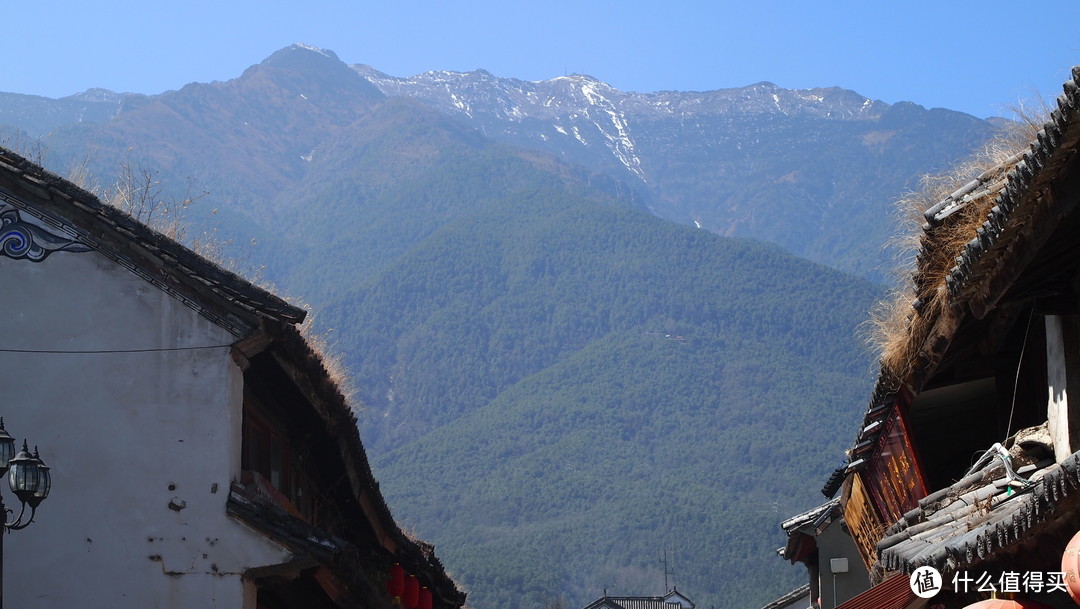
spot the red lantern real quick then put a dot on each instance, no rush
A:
(425, 598)
(411, 598)
(396, 585)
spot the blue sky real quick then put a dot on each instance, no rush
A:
(977, 57)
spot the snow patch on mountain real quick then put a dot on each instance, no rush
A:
(459, 103)
(577, 135)
(617, 134)
(323, 52)
(600, 117)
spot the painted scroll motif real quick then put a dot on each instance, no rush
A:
(25, 237)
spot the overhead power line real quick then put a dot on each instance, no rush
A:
(97, 351)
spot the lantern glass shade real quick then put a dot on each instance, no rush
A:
(24, 475)
(43, 487)
(7, 448)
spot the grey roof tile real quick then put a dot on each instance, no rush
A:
(952, 536)
(810, 516)
(790, 598)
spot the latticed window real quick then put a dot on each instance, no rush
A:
(266, 451)
(862, 519)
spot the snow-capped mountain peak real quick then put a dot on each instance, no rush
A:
(580, 116)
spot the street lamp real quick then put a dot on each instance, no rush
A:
(29, 479)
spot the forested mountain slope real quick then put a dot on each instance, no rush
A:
(560, 393)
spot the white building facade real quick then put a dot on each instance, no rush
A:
(128, 360)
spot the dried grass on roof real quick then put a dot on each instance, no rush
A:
(332, 360)
(897, 328)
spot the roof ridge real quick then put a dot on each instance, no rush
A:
(154, 256)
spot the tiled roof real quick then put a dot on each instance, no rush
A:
(836, 480)
(218, 294)
(789, 599)
(639, 602)
(974, 518)
(1018, 200)
(808, 524)
(882, 398)
(1022, 217)
(812, 517)
(988, 184)
(893, 593)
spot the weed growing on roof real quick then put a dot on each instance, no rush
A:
(900, 324)
(31, 149)
(139, 193)
(332, 360)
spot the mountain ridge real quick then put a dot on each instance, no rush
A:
(759, 161)
(693, 155)
(435, 86)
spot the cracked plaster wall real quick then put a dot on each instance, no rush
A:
(142, 446)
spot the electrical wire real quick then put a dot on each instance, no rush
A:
(1016, 381)
(101, 351)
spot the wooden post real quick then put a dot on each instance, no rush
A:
(1063, 380)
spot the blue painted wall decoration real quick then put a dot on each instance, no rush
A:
(21, 238)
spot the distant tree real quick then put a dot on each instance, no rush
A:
(138, 191)
(32, 148)
(555, 602)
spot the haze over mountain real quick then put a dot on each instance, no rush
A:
(557, 383)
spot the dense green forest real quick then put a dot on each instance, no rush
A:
(561, 385)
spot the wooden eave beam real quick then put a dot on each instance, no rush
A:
(934, 348)
(386, 540)
(253, 344)
(288, 570)
(383, 531)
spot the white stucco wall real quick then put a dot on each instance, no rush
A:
(838, 588)
(126, 434)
